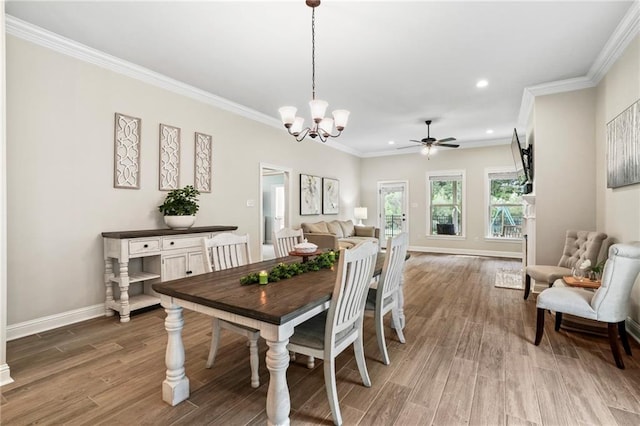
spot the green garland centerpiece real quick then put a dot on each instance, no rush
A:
(283, 271)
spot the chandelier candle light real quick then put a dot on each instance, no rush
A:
(322, 127)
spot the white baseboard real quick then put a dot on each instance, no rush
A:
(633, 329)
(38, 325)
(470, 252)
(5, 377)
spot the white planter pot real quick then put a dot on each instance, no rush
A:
(179, 222)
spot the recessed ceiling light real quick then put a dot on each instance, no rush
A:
(391, 142)
(482, 83)
(489, 131)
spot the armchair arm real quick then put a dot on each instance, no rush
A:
(323, 240)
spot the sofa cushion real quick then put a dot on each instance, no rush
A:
(365, 231)
(546, 273)
(335, 228)
(347, 243)
(311, 228)
(347, 228)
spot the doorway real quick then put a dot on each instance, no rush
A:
(392, 209)
(274, 205)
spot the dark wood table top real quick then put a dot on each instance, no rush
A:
(120, 235)
(275, 303)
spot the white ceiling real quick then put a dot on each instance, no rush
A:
(393, 64)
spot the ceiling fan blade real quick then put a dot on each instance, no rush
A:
(449, 145)
(413, 140)
(447, 140)
(410, 146)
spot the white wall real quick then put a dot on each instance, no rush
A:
(4, 368)
(60, 114)
(564, 169)
(414, 167)
(618, 212)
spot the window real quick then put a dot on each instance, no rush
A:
(445, 195)
(504, 207)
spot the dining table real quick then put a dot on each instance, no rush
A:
(274, 309)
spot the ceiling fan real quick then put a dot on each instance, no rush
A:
(430, 144)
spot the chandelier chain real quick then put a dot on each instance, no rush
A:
(313, 52)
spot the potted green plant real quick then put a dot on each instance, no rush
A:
(180, 207)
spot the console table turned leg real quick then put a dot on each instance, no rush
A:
(175, 388)
(278, 403)
(108, 289)
(124, 292)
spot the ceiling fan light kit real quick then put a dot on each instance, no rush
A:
(430, 145)
(322, 127)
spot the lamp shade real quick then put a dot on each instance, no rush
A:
(341, 116)
(318, 108)
(287, 114)
(360, 213)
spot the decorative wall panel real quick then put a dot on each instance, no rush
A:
(310, 194)
(330, 196)
(169, 157)
(623, 148)
(203, 162)
(126, 172)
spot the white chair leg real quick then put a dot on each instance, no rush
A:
(253, 360)
(292, 356)
(362, 365)
(311, 362)
(215, 339)
(395, 318)
(332, 390)
(380, 336)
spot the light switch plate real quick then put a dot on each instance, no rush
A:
(251, 203)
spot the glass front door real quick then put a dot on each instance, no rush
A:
(392, 202)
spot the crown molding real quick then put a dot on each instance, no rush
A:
(624, 33)
(34, 34)
(37, 35)
(464, 145)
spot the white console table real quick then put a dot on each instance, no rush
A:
(166, 254)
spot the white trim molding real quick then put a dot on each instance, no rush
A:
(624, 33)
(633, 328)
(37, 35)
(39, 325)
(467, 252)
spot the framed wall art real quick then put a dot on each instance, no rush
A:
(203, 162)
(330, 196)
(169, 158)
(623, 148)
(126, 171)
(310, 194)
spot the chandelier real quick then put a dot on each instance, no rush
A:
(322, 127)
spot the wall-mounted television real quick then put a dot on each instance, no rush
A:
(522, 158)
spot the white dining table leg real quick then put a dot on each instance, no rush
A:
(175, 387)
(278, 403)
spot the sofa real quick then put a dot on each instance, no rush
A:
(338, 234)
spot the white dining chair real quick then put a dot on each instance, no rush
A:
(285, 240)
(326, 335)
(221, 252)
(386, 297)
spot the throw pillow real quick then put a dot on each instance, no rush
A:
(347, 228)
(365, 231)
(314, 228)
(335, 228)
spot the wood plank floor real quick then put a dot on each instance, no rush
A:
(469, 359)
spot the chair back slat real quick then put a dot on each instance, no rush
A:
(285, 240)
(355, 270)
(225, 251)
(393, 266)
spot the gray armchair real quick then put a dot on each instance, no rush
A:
(610, 303)
(578, 247)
